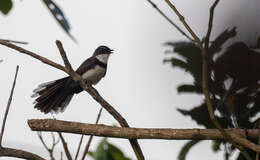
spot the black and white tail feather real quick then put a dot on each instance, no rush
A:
(52, 96)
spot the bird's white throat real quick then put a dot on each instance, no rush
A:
(103, 58)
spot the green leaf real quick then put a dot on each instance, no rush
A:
(91, 154)
(116, 153)
(216, 145)
(186, 148)
(101, 151)
(107, 151)
(5, 6)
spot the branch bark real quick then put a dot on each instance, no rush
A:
(8, 106)
(10, 152)
(137, 133)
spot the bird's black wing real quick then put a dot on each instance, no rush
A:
(86, 65)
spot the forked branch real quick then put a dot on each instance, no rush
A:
(92, 91)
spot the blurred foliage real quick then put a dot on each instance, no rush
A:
(107, 151)
(58, 16)
(6, 6)
(233, 75)
(185, 149)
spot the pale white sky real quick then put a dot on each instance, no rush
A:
(137, 83)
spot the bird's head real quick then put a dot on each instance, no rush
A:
(102, 53)
(103, 50)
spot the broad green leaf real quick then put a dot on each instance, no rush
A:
(91, 154)
(116, 153)
(5, 6)
(107, 151)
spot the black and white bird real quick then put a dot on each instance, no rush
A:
(54, 96)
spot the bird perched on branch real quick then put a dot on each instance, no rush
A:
(54, 96)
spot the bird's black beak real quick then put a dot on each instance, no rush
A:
(111, 51)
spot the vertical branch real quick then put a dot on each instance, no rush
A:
(205, 73)
(8, 106)
(79, 146)
(65, 146)
(212, 8)
(91, 137)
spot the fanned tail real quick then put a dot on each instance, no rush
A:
(52, 96)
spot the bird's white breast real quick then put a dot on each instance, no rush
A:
(94, 75)
(103, 58)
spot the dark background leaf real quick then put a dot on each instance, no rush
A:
(186, 148)
(59, 16)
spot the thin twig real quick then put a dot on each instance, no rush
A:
(212, 8)
(79, 146)
(11, 152)
(205, 74)
(42, 141)
(34, 55)
(54, 141)
(169, 20)
(13, 41)
(8, 106)
(50, 150)
(65, 146)
(182, 19)
(91, 137)
(61, 155)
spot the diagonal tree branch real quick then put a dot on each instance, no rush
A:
(65, 146)
(34, 55)
(10, 152)
(14, 41)
(92, 91)
(91, 137)
(169, 20)
(8, 106)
